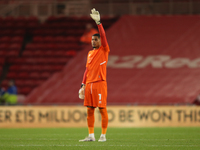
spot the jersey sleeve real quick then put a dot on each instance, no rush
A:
(84, 76)
(102, 35)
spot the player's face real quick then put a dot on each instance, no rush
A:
(96, 42)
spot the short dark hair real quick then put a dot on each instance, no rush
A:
(96, 34)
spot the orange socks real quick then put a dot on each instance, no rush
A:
(104, 120)
(90, 119)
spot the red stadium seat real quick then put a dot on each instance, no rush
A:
(1, 68)
(9, 19)
(25, 90)
(30, 46)
(39, 82)
(36, 46)
(70, 53)
(34, 60)
(42, 60)
(45, 75)
(47, 68)
(2, 61)
(73, 39)
(38, 39)
(85, 19)
(20, 68)
(49, 39)
(8, 25)
(1, 19)
(62, 46)
(27, 68)
(15, 47)
(40, 46)
(58, 32)
(23, 75)
(7, 32)
(59, 39)
(4, 83)
(12, 53)
(4, 46)
(19, 83)
(32, 53)
(28, 53)
(16, 60)
(51, 19)
(17, 39)
(59, 53)
(31, 26)
(12, 75)
(30, 83)
(38, 32)
(35, 75)
(38, 53)
(36, 68)
(48, 53)
(50, 46)
(21, 20)
(19, 32)
(58, 67)
(14, 68)
(32, 19)
(49, 32)
(2, 53)
(20, 25)
(5, 39)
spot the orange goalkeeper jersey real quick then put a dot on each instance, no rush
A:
(97, 60)
(96, 64)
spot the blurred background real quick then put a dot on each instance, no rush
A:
(154, 59)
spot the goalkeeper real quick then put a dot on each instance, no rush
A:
(94, 86)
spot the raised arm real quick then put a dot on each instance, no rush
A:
(102, 35)
(96, 17)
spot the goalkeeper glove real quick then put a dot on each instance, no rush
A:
(95, 16)
(81, 93)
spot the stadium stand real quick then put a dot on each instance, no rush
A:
(33, 51)
(153, 60)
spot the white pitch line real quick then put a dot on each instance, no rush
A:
(151, 133)
(66, 139)
(169, 139)
(63, 145)
(41, 134)
(77, 145)
(110, 134)
(36, 139)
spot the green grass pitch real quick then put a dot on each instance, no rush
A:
(117, 139)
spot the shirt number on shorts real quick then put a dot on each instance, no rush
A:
(99, 98)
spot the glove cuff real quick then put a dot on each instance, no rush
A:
(82, 85)
(98, 22)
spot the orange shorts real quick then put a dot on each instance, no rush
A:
(96, 94)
